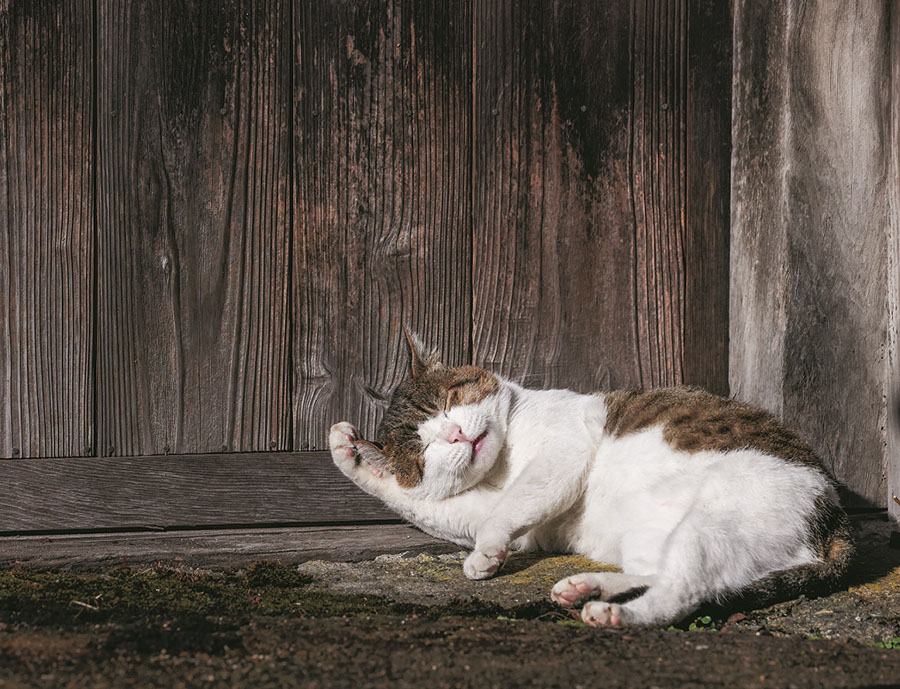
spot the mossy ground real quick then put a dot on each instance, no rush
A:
(265, 589)
(401, 619)
(272, 625)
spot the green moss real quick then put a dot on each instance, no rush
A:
(546, 570)
(263, 590)
(126, 594)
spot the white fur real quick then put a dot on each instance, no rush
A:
(695, 527)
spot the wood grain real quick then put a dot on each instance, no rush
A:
(162, 492)
(758, 205)
(581, 244)
(893, 277)
(658, 143)
(194, 215)
(382, 238)
(216, 548)
(809, 213)
(46, 229)
(707, 201)
(553, 291)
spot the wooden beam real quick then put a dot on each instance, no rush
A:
(179, 491)
(809, 264)
(217, 548)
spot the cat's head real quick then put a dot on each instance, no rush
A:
(444, 428)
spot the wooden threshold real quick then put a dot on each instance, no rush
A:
(216, 549)
(179, 491)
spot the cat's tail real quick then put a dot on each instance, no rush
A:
(832, 540)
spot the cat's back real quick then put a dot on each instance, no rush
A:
(694, 420)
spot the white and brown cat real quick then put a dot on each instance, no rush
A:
(697, 498)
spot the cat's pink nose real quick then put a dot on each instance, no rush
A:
(453, 433)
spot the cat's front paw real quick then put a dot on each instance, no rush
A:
(484, 563)
(341, 440)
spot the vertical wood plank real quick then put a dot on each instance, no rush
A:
(382, 133)
(591, 274)
(893, 283)
(46, 228)
(758, 204)
(708, 194)
(808, 227)
(194, 215)
(554, 300)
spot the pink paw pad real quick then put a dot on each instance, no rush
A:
(598, 614)
(501, 556)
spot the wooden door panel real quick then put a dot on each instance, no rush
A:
(382, 137)
(46, 229)
(606, 257)
(194, 214)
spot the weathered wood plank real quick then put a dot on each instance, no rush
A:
(220, 548)
(893, 284)
(592, 274)
(382, 133)
(808, 323)
(46, 228)
(194, 215)
(553, 295)
(708, 194)
(658, 138)
(183, 491)
(758, 206)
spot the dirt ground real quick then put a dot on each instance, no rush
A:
(402, 620)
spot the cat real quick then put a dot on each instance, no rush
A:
(695, 497)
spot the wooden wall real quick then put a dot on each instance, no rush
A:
(217, 216)
(814, 227)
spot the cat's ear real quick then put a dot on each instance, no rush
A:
(420, 358)
(372, 453)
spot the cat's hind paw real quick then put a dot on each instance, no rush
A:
(569, 592)
(483, 564)
(598, 613)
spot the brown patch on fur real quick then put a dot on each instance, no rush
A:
(831, 539)
(694, 420)
(427, 393)
(469, 385)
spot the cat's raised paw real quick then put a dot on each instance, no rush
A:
(341, 441)
(598, 613)
(483, 564)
